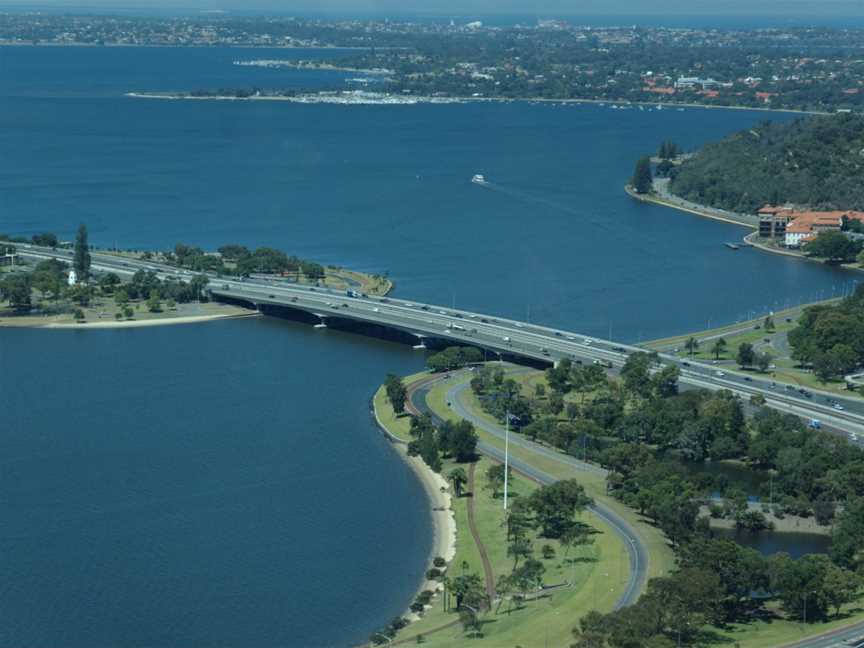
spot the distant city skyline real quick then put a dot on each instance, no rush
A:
(782, 8)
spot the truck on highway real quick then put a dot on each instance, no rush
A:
(603, 363)
(353, 293)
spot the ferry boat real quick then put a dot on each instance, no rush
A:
(731, 246)
(478, 179)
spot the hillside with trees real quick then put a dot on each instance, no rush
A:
(815, 162)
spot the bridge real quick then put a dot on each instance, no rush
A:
(423, 323)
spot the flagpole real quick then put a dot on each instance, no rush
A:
(506, 454)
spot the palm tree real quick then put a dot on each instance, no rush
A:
(719, 348)
(691, 345)
(459, 479)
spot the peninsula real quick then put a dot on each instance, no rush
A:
(68, 286)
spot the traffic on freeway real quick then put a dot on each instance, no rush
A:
(500, 335)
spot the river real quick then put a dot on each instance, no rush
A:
(222, 484)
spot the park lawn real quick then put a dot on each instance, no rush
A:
(661, 558)
(398, 426)
(780, 632)
(597, 574)
(787, 371)
(780, 324)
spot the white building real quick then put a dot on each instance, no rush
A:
(73, 278)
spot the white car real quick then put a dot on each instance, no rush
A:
(838, 406)
(586, 341)
(518, 325)
(571, 338)
(719, 374)
(376, 310)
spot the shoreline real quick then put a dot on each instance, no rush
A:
(654, 199)
(107, 324)
(426, 99)
(438, 495)
(747, 239)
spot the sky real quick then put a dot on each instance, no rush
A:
(475, 7)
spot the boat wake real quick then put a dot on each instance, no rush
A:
(530, 197)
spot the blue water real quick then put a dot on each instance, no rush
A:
(221, 484)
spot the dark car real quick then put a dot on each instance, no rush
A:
(685, 364)
(748, 379)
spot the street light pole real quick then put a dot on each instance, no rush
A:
(506, 454)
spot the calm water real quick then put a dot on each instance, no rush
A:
(221, 484)
(771, 542)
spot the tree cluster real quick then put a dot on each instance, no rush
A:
(830, 338)
(453, 358)
(449, 439)
(814, 162)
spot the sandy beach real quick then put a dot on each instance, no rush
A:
(110, 324)
(443, 521)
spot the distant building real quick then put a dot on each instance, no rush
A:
(773, 221)
(797, 227)
(806, 226)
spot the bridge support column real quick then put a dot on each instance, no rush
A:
(322, 323)
(421, 343)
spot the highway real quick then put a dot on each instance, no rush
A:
(500, 335)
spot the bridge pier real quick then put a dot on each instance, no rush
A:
(421, 345)
(322, 323)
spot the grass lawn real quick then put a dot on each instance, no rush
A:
(780, 632)
(661, 557)
(598, 572)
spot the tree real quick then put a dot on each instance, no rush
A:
(519, 548)
(768, 324)
(81, 258)
(16, 290)
(636, 374)
(841, 587)
(833, 246)
(463, 442)
(746, 355)
(458, 478)
(664, 384)
(837, 361)
(154, 303)
(846, 548)
(719, 348)
(762, 361)
(557, 504)
(495, 478)
(692, 344)
(396, 392)
(198, 283)
(45, 240)
(642, 180)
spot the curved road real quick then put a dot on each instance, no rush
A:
(636, 549)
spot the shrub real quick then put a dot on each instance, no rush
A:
(439, 562)
(433, 573)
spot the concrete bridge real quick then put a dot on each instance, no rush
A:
(421, 323)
